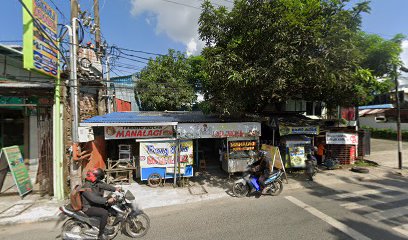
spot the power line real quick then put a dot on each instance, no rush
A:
(56, 7)
(182, 4)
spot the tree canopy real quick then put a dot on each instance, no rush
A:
(167, 83)
(264, 52)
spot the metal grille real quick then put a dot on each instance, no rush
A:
(45, 168)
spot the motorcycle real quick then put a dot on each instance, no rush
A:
(123, 217)
(248, 183)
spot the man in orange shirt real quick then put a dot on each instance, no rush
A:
(320, 153)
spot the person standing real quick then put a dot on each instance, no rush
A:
(320, 153)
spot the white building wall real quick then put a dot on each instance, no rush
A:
(369, 121)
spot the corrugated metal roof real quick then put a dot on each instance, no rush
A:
(152, 118)
(382, 106)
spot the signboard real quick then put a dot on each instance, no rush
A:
(242, 145)
(163, 154)
(297, 157)
(218, 130)
(341, 138)
(138, 132)
(13, 157)
(286, 130)
(38, 50)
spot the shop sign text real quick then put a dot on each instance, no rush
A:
(138, 132)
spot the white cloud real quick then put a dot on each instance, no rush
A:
(178, 21)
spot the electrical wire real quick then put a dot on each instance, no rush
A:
(182, 4)
(62, 14)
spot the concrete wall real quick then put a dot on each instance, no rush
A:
(370, 122)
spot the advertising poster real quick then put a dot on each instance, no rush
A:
(297, 157)
(163, 154)
(138, 132)
(13, 157)
(40, 52)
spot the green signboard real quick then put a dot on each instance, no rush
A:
(15, 161)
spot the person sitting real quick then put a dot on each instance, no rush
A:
(262, 167)
(94, 204)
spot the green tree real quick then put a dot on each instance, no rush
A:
(166, 84)
(263, 52)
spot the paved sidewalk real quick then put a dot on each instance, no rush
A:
(206, 185)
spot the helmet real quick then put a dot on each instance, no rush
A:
(262, 154)
(95, 174)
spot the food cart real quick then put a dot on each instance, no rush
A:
(240, 153)
(157, 160)
(297, 142)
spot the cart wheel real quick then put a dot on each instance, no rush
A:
(154, 180)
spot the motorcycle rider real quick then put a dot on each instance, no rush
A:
(94, 204)
(263, 167)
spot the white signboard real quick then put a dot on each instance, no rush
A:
(162, 154)
(138, 132)
(342, 138)
(218, 130)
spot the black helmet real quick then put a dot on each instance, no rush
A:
(262, 154)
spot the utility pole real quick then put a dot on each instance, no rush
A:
(399, 135)
(97, 26)
(108, 92)
(75, 165)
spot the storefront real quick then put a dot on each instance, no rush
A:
(157, 144)
(296, 142)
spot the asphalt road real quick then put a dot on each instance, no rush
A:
(369, 210)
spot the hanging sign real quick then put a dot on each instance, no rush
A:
(218, 130)
(39, 51)
(286, 130)
(341, 138)
(15, 161)
(162, 154)
(138, 132)
(242, 145)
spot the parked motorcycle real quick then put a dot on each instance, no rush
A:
(124, 217)
(243, 186)
(331, 163)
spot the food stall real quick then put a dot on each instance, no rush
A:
(157, 159)
(240, 153)
(240, 141)
(297, 141)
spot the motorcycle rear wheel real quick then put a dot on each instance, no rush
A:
(277, 188)
(240, 189)
(71, 226)
(137, 226)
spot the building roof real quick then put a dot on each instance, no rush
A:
(380, 106)
(148, 118)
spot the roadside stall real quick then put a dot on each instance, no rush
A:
(297, 142)
(240, 141)
(342, 146)
(157, 160)
(241, 152)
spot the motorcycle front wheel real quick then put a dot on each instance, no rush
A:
(277, 188)
(136, 226)
(240, 189)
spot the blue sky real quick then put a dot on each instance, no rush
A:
(157, 25)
